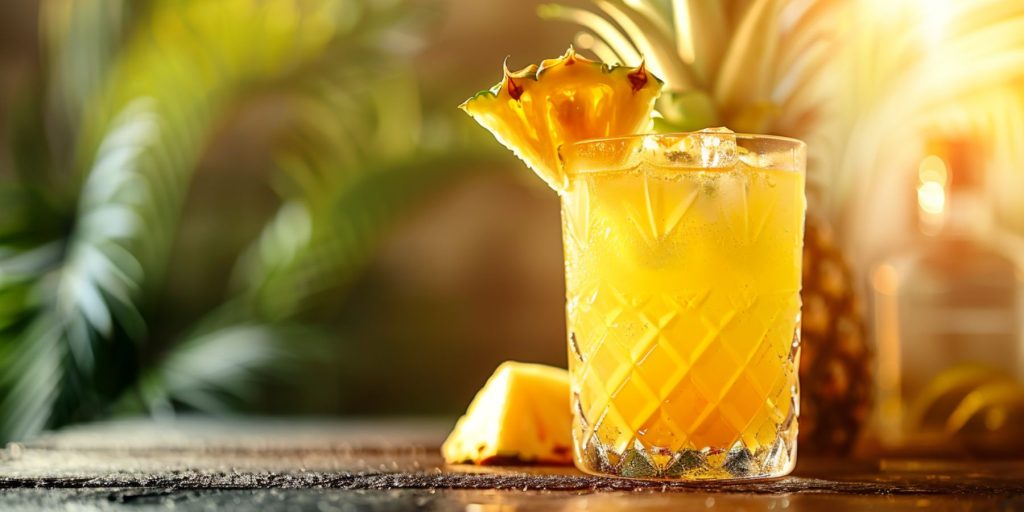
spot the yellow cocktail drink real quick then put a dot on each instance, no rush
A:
(682, 260)
(682, 265)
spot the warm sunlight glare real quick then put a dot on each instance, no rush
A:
(931, 197)
(932, 169)
(931, 193)
(935, 16)
(931, 17)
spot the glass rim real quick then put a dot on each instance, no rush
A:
(738, 135)
(584, 157)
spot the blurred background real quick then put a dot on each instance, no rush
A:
(268, 206)
(274, 207)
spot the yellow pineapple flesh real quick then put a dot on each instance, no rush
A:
(520, 416)
(536, 110)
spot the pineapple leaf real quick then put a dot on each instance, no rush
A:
(656, 13)
(746, 71)
(634, 36)
(685, 111)
(700, 33)
(624, 51)
(654, 44)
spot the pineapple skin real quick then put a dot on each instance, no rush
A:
(836, 359)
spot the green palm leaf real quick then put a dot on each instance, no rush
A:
(81, 41)
(142, 131)
(214, 368)
(342, 184)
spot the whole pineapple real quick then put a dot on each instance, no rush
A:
(835, 359)
(760, 66)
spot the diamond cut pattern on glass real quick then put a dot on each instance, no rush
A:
(639, 398)
(678, 373)
(658, 215)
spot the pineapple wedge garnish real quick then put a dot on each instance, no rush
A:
(535, 110)
(521, 416)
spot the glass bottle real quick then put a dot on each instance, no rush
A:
(948, 308)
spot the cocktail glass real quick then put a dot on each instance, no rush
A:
(682, 267)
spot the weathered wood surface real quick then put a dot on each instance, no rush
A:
(277, 464)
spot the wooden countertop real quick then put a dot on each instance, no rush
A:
(394, 465)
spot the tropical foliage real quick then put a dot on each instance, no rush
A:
(131, 95)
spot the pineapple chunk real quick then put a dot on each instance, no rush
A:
(520, 416)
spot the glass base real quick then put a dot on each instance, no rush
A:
(736, 463)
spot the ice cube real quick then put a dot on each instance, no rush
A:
(711, 148)
(756, 159)
(717, 147)
(749, 157)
